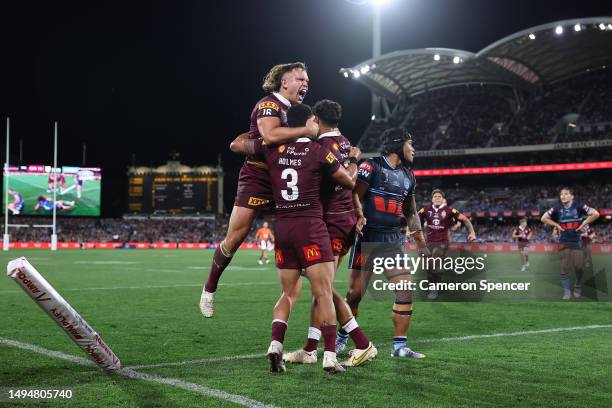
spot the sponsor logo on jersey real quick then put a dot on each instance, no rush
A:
(312, 252)
(330, 157)
(268, 105)
(443, 214)
(281, 148)
(257, 201)
(279, 257)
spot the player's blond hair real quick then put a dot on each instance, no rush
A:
(272, 80)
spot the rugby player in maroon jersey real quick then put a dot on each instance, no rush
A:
(302, 241)
(522, 235)
(342, 224)
(286, 84)
(438, 219)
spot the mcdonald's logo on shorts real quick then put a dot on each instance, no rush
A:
(279, 257)
(312, 252)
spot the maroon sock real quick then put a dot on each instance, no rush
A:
(311, 344)
(219, 264)
(329, 338)
(278, 330)
(359, 338)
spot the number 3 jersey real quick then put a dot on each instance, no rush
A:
(389, 189)
(296, 170)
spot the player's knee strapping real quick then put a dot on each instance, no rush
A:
(402, 308)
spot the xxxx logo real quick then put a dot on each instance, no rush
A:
(257, 201)
(312, 252)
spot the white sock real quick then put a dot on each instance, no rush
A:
(314, 333)
(350, 325)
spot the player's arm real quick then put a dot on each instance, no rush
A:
(593, 214)
(414, 225)
(272, 131)
(242, 136)
(468, 224)
(342, 177)
(530, 235)
(245, 146)
(547, 219)
(354, 155)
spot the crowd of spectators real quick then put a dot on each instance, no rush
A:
(461, 117)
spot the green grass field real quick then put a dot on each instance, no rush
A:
(30, 186)
(144, 305)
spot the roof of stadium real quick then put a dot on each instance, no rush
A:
(525, 60)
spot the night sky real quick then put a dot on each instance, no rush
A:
(147, 78)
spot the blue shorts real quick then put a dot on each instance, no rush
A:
(392, 243)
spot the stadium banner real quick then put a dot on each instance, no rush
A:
(60, 311)
(164, 245)
(31, 188)
(480, 272)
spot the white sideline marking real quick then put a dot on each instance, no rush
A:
(442, 339)
(130, 373)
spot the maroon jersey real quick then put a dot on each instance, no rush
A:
(439, 222)
(270, 106)
(523, 233)
(335, 198)
(296, 171)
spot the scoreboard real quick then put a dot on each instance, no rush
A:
(155, 192)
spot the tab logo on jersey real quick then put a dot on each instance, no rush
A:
(268, 105)
(337, 245)
(257, 201)
(312, 252)
(330, 157)
(279, 257)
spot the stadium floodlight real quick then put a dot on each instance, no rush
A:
(609, 26)
(379, 3)
(602, 26)
(373, 117)
(436, 57)
(456, 59)
(365, 69)
(532, 36)
(356, 74)
(577, 27)
(346, 74)
(559, 30)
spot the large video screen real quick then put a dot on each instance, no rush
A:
(31, 190)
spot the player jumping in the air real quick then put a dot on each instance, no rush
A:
(522, 235)
(46, 203)
(570, 219)
(439, 219)
(286, 84)
(342, 225)
(587, 237)
(302, 242)
(18, 202)
(385, 187)
(265, 238)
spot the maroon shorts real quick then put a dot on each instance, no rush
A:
(341, 229)
(254, 188)
(301, 242)
(522, 245)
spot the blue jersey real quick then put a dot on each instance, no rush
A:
(570, 218)
(46, 204)
(389, 192)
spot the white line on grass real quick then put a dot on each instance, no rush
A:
(442, 339)
(131, 373)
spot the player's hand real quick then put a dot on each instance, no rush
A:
(581, 227)
(361, 222)
(355, 152)
(312, 128)
(471, 237)
(558, 227)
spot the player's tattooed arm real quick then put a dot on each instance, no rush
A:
(273, 132)
(354, 155)
(414, 226)
(593, 214)
(549, 221)
(361, 219)
(243, 145)
(468, 224)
